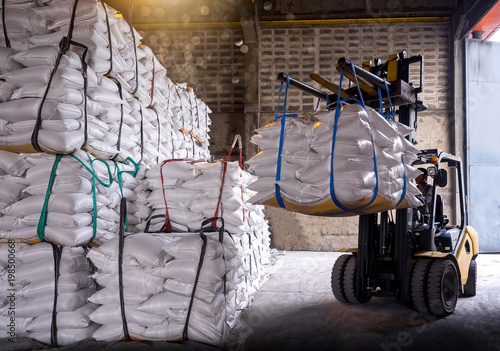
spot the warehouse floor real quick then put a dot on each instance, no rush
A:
(296, 310)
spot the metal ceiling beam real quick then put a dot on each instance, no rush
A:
(468, 15)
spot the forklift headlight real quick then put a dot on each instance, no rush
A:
(431, 171)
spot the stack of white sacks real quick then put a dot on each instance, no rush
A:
(124, 112)
(371, 164)
(82, 205)
(159, 275)
(28, 288)
(190, 192)
(114, 114)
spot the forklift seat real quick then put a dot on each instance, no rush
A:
(441, 219)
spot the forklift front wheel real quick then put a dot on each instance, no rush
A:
(350, 283)
(419, 284)
(442, 287)
(338, 277)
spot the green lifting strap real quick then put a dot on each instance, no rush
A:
(40, 230)
(119, 176)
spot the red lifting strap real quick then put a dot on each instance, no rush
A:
(237, 138)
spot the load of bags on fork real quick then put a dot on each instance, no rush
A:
(346, 162)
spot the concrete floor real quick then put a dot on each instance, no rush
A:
(296, 310)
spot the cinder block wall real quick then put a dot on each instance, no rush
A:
(210, 62)
(299, 51)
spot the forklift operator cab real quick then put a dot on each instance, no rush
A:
(445, 237)
(422, 215)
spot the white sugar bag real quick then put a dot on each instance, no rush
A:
(162, 303)
(205, 292)
(185, 270)
(18, 18)
(6, 93)
(175, 195)
(108, 295)
(60, 235)
(39, 76)
(26, 308)
(64, 203)
(111, 314)
(114, 332)
(66, 95)
(135, 278)
(7, 62)
(189, 246)
(288, 170)
(12, 163)
(61, 184)
(67, 283)
(146, 250)
(76, 319)
(65, 336)
(27, 109)
(27, 127)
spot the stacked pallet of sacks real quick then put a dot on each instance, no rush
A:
(186, 193)
(44, 291)
(171, 287)
(114, 99)
(87, 113)
(45, 280)
(78, 128)
(69, 200)
(346, 162)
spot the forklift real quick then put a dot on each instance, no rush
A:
(426, 264)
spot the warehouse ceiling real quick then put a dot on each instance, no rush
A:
(464, 15)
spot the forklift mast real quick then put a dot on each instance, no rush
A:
(384, 248)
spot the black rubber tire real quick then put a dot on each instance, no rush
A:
(442, 287)
(470, 285)
(419, 284)
(350, 283)
(337, 280)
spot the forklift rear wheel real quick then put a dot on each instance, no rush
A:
(350, 283)
(442, 287)
(338, 277)
(419, 284)
(470, 285)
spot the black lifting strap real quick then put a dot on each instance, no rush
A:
(131, 7)
(7, 41)
(110, 43)
(119, 142)
(121, 242)
(163, 227)
(64, 46)
(200, 265)
(142, 134)
(57, 252)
